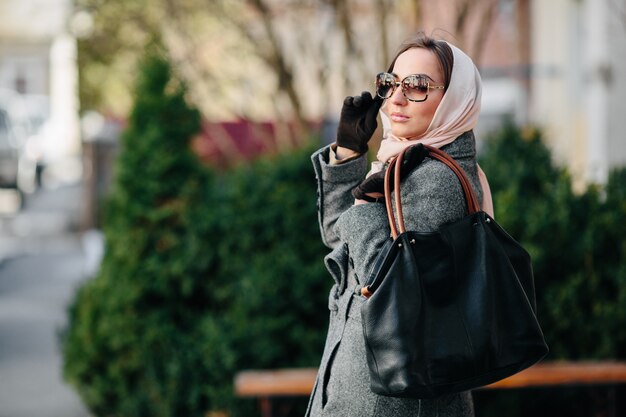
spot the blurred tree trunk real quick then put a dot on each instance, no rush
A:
(383, 8)
(473, 20)
(416, 14)
(276, 59)
(259, 24)
(486, 20)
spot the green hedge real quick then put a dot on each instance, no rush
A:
(139, 340)
(273, 252)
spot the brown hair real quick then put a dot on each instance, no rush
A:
(440, 48)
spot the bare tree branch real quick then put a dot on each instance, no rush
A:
(417, 13)
(383, 14)
(463, 11)
(316, 50)
(344, 23)
(486, 23)
(342, 10)
(276, 59)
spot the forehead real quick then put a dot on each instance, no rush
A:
(418, 61)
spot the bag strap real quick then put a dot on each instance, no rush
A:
(395, 165)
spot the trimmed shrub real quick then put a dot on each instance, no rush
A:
(282, 284)
(140, 334)
(273, 254)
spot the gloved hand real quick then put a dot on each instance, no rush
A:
(373, 187)
(358, 121)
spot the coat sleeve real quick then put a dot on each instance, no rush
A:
(334, 186)
(431, 197)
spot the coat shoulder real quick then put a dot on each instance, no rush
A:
(431, 196)
(433, 175)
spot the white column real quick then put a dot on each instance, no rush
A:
(598, 70)
(63, 145)
(550, 103)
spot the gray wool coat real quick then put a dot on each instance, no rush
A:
(431, 197)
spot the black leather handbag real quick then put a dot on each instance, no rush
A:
(451, 310)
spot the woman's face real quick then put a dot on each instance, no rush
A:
(411, 119)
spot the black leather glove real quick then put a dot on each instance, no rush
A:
(358, 121)
(373, 187)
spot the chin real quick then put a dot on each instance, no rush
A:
(406, 133)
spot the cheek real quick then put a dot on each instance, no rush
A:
(428, 111)
(423, 113)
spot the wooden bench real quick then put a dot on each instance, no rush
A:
(268, 384)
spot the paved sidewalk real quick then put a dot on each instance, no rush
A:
(42, 261)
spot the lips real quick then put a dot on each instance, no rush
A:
(398, 117)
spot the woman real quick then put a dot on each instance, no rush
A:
(431, 95)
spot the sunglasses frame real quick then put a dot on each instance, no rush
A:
(401, 84)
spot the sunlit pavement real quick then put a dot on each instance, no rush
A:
(42, 260)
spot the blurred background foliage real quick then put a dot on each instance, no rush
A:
(208, 273)
(259, 59)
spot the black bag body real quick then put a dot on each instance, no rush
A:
(451, 310)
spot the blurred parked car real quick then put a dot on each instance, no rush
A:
(10, 195)
(27, 115)
(9, 154)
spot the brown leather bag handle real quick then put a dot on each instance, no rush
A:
(387, 190)
(395, 165)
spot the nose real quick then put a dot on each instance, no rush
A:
(397, 97)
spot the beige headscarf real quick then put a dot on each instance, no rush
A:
(456, 114)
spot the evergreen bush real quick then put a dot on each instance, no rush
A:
(139, 341)
(274, 255)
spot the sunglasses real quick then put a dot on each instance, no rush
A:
(415, 87)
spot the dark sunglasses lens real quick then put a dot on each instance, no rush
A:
(415, 87)
(384, 85)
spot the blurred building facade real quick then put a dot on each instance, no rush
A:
(579, 82)
(560, 65)
(38, 79)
